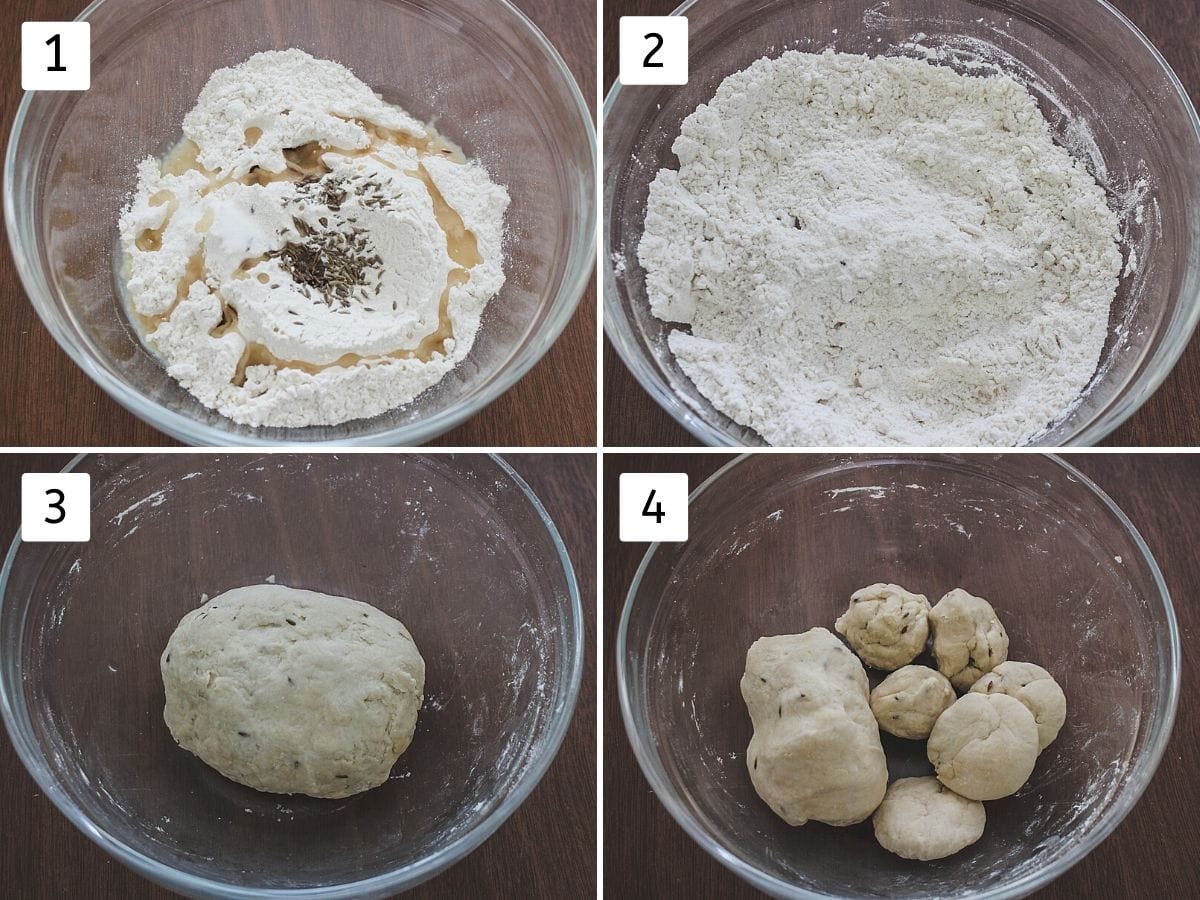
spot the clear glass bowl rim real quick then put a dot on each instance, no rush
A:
(196, 433)
(20, 732)
(626, 342)
(1167, 702)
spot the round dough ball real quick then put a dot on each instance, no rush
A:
(984, 746)
(921, 818)
(909, 701)
(291, 691)
(968, 639)
(886, 625)
(1033, 686)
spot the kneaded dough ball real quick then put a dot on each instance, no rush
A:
(968, 639)
(815, 753)
(921, 818)
(1033, 686)
(291, 691)
(886, 625)
(984, 746)
(909, 701)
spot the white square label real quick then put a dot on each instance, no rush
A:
(654, 507)
(654, 49)
(56, 506)
(56, 56)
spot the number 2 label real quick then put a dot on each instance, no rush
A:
(653, 36)
(654, 49)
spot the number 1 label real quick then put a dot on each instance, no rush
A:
(55, 41)
(56, 56)
(654, 49)
(653, 507)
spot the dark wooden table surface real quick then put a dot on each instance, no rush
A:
(546, 849)
(1170, 418)
(1151, 854)
(48, 402)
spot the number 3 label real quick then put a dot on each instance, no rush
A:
(56, 506)
(654, 50)
(56, 56)
(654, 507)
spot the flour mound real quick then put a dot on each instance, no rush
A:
(292, 98)
(309, 254)
(880, 251)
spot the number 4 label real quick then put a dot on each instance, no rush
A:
(56, 506)
(654, 49)
(56, 56)
(654, 507)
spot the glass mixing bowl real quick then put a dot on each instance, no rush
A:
(457, 548)
(779, 542)
(478, 69)
(1108, 94)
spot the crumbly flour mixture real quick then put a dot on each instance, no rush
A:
(309, 254)
(880, 251)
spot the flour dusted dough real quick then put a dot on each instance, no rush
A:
(909, 701)
(968, 639)
(886, 625)
(880, 251)
(815, 753)
(984, 746)
(921, 818)
(1036, 688)
(292, 691)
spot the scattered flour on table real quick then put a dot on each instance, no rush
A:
(309, 254)
(880, 251)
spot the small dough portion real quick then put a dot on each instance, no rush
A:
(1033, 686)
(291, 691)
(984, 746)
(886, 625)
(968, 639)
(921, 818)
(909, 701)
(815, 753)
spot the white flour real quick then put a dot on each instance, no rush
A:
(880, 251)
(311, 254)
